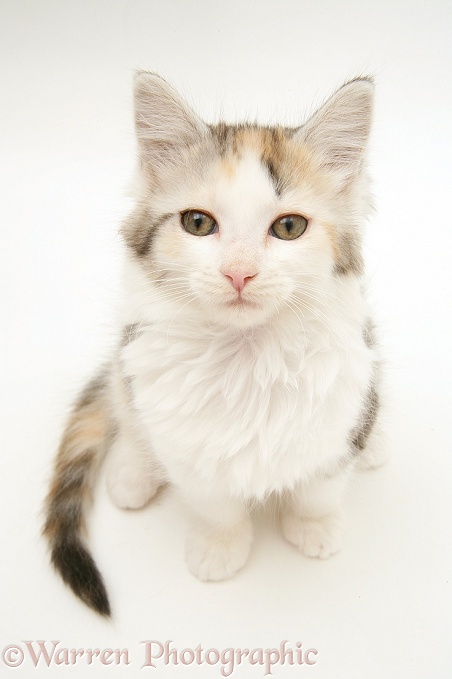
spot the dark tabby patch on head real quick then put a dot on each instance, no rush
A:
(222, 136)
(367, 420)
(274, 176)
(140, 228)
(349, 259)
(267, 142)
(273, 145)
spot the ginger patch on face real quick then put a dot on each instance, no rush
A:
(228, 167)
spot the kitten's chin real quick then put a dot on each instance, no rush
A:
(241, 313)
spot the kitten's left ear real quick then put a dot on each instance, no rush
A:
(338, 132)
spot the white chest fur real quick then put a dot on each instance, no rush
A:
(253, 412)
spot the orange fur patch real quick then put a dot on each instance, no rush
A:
(86, 428)
(228, 167)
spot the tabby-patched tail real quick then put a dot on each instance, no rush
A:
(83, 447)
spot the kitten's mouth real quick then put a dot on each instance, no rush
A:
(240, 303)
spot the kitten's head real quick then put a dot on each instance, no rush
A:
(241, 221)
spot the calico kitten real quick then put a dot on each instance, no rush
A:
(247, 367)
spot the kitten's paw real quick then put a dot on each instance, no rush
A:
(217, 556)
(320, 537)
(130, 487)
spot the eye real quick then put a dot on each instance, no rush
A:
(289, 227)
(198, 223)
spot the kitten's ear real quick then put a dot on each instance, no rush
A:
(338, 132)
(164, 122)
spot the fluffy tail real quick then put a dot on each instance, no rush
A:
(83, 447)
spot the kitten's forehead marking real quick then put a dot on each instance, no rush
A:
(267, 142)
(243, 194)
(228, 166)
(270, 144)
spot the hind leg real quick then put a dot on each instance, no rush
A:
(133, 476)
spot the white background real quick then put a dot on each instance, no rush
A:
(380, 608)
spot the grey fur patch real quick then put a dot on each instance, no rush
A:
(369, 334)
(93, 389)
(360, 434)
(130, 333)
(367, 420)
(350, 258)
(140, 229)
(221, 133)
(66, 503)
(274, 176)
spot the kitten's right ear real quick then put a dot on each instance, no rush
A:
(164, 123)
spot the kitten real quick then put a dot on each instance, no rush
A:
(247, 367)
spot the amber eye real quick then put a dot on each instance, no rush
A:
(198, 223)
(289, 227)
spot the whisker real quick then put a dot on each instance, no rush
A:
(191, 299)
(322, 318)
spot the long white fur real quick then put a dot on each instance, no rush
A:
(234, 402)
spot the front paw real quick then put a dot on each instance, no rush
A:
(215, 555)
(316, 537)
(130, 487)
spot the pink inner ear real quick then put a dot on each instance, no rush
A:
(238, 279)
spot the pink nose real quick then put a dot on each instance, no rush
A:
(238, 279)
